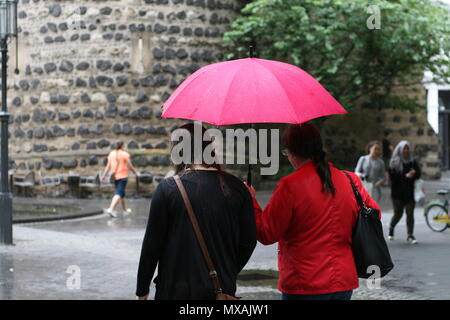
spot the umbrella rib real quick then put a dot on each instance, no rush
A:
(284, 90)
(226, 96)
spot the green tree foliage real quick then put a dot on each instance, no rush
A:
(331, 40)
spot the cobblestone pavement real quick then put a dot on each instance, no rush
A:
(106, 251)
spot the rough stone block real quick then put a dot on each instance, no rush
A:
(55, 10)
(103, 65)
(58, 131)
(39, 133)
(83, 130)
(158, 53)
(50, 67)
(82, 66)
(121, 81)
(104, 81)
(70, 163)
(132, 145)
(40, 148)
(141, 96)
(70, 132)
(91, 145)
(103, 144)
(111, 111)
(127, 129)
(116, 128)
(17, 101)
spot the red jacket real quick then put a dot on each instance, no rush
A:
(313, 231)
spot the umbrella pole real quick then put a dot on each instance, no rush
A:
(249, 173)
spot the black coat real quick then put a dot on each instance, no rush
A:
(228, 226)
(402, 188)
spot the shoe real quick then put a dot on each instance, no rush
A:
(391, 234)
(128, 211)
(412, 240)
(111, 213)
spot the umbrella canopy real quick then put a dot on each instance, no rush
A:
(250, 90)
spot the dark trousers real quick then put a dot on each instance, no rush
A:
(399, 207)
(344, 295)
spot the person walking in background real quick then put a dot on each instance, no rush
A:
(387, 153)
(403, 172)
(387, 148)
(371, 170)
(119, 163)
(224, 210)
(311, 215)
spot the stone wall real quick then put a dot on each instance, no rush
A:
(95, 72)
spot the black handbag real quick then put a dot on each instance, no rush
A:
(368, 245)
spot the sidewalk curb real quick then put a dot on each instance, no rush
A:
(89, 212)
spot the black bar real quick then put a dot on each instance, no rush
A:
(5, 195)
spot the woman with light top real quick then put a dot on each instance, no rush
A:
(119, 163)
(371, 170)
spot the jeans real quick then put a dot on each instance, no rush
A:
(343, 295)
(121, 185)
(399, 206)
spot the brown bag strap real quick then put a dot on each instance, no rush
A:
(198, 233)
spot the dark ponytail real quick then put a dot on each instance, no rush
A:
(119, 145)
(304, 141)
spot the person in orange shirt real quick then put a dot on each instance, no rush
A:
(119, 163)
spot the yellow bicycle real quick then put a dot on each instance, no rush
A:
(437, 213)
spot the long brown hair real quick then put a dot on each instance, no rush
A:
(190, 127)
(181, 168)
(304, 141)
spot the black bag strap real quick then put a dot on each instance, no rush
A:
(358, 197)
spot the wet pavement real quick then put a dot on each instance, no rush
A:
(97, 258)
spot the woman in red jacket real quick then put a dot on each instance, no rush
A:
(311, 215)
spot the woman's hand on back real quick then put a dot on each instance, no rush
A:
(250, 189)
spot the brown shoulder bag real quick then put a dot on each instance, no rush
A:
(212, 271)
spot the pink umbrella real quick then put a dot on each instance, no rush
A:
(250, 90)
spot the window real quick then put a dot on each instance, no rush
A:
(140, 54)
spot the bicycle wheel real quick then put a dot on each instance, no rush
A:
(435, 213)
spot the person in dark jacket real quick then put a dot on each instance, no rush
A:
(387, 148)
(311, 215)
(403, 172)
(224, 209)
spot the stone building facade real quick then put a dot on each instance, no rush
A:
(95, 72)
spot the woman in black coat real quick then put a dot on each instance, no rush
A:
(224, 209)
(403, 172)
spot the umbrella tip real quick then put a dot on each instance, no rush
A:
(251, 51)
